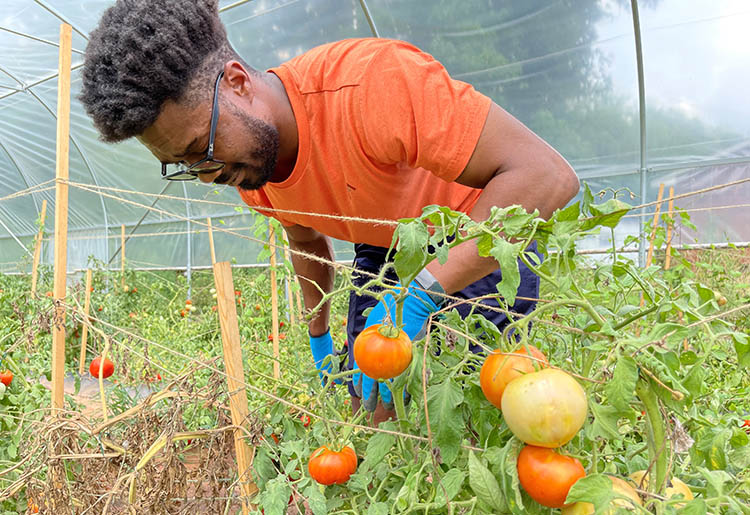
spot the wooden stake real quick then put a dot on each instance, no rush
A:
(655, 225)
(122, 256)
(238, 405)
(274, 304)
(102, 395)
(61, 216)
(38, 248)
(668, 257)
(85, 333)
(211, 241)
(288, 286)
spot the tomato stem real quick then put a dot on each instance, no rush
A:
(655, 433)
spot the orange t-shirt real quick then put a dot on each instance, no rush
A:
(383, 132)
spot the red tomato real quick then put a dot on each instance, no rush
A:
(380, 355)
(134, 290)
(6, 376)
(107, 368)
(257, 307)
(188, 302)
(100, 308)
(214, 308)
(48, 294)
(282, 336)
(545, 408)
(132, 315)
(305, 420)
(746, 423)
(183, 312)
(546, 475)
(329, 467)
(237, 292)
(500, 369)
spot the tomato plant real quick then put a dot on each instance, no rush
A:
(107, 367)
(382, 352)
(499, 369)
(329, 467)
(545, 408)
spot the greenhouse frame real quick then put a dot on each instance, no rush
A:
(635, 94)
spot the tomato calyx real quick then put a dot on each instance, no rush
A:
(389, 331)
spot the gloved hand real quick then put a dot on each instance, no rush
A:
(418, 306)
(322, 346)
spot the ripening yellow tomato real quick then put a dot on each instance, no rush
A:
(545, 408)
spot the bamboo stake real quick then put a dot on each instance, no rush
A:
(211, 241)
(238, 405)
(38, 248)
(85, 334)
(287, 284)
(61, 216)
(655, 225)
(274, 304)
(122, 256)
(668, 257)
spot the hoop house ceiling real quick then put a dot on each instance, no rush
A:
(568, 69)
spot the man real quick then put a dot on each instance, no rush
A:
(365, 129)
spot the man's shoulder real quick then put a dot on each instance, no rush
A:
(341, 63)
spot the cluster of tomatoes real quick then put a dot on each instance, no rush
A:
(381, 352)
(189, 308)
(515, 381)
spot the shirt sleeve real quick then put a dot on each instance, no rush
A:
(413, 112)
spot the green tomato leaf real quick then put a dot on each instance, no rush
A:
(275, 497)
(410, 255)
(445, 420)
(621, 389)
(594, 488)
(506, 254)
(450, 485)
(378, 446)
(484, 484)
(378, 508)
(694, 507)
(315, 499)
(605, 421)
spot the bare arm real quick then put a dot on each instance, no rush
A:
(311, 272)
(512, 165)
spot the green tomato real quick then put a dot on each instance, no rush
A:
(2, 390)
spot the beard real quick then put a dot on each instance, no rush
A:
(261, 161)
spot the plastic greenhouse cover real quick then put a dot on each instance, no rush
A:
(566, 69)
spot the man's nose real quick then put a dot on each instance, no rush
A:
(208, 177)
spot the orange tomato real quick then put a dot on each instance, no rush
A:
(546, 475)
(382, 352)
(329, 467)
(107, 368)
(6, 376)
(499, 369)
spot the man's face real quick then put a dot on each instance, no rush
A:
(247, 145)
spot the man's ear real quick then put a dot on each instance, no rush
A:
(238, 79)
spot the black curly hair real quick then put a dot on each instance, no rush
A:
(145, 52)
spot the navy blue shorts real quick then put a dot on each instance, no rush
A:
(370, 259)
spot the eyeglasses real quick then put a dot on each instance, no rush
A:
(206, 165)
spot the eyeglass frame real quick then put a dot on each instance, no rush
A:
(183, 172)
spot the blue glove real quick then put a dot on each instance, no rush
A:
(418, 306)
(321, 347)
